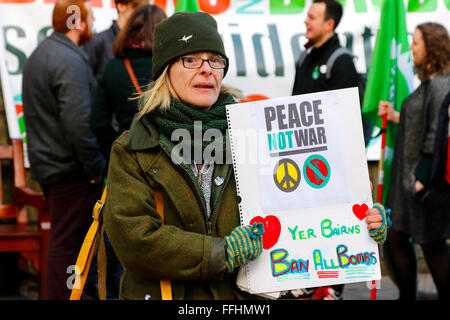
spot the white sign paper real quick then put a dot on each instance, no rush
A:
(310, 192)
(300, 131)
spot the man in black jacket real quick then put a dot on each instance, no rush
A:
(64, 156)
(322, 19)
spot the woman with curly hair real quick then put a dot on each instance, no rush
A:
(418, 216)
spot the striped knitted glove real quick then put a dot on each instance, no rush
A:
(379, 234)
(243, 244)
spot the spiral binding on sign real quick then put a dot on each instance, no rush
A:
(236, 175)
(233, 155)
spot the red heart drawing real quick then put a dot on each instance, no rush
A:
(360, 211)
(272, 230)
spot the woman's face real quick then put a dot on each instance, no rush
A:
(418, 48)
(197, 87)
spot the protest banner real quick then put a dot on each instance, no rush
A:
(302, 171)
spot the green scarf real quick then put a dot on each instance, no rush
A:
(181, 116)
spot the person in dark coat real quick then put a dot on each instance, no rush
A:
(100, 48)
(310, 76)
(440, 170)
(115, 90)
(416, 218)
(64, 156)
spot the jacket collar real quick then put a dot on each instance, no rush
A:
(143, 135)
(332, 42)
(136, 53)
(63, 39)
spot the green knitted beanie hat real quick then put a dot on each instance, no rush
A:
(184, 33)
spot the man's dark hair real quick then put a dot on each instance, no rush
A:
(333, 10)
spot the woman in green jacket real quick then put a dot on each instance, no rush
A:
(199, 244)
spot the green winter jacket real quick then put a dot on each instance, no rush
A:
(188, 249)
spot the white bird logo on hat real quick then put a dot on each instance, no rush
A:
(185, 38)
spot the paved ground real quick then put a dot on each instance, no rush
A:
(386, 289)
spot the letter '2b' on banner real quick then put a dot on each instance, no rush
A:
(301, 169)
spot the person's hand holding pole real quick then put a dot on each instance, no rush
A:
(386, 108)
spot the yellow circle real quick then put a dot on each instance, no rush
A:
(291, 171)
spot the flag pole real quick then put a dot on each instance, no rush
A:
(373, 293)
(380, 163)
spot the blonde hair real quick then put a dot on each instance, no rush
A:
(160, 93)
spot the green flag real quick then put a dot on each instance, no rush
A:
(187, 5)
(390, 77)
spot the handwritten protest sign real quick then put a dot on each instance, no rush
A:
(301, 170)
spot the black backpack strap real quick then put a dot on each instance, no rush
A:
(336, 54)
(301, 58)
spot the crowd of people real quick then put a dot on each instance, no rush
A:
(101, 109)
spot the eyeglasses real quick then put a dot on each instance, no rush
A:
(196, 63)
